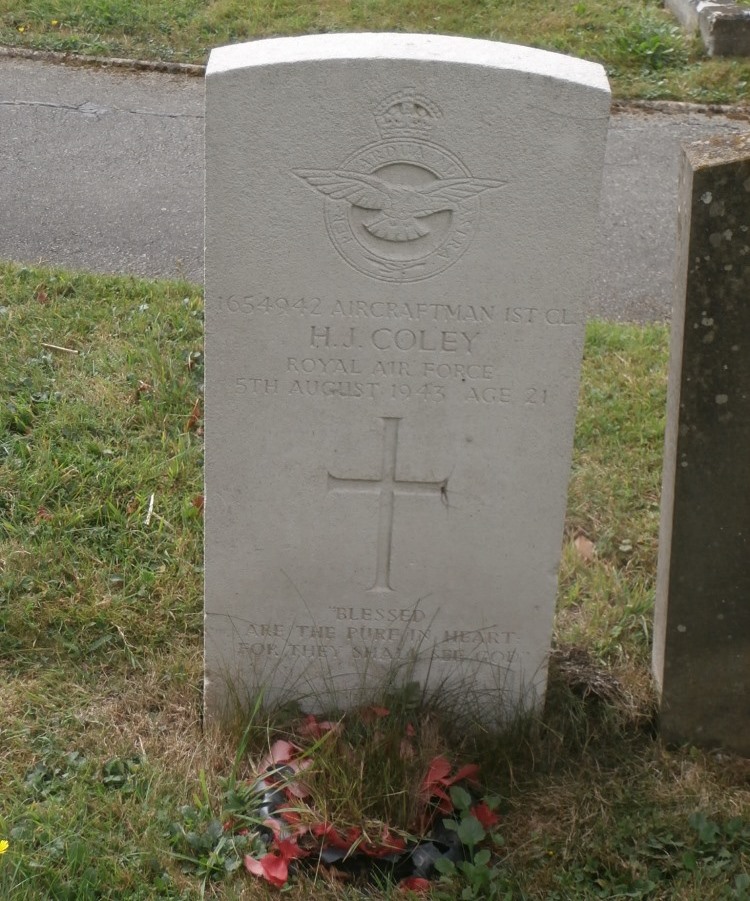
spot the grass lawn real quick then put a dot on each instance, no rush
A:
(645, 53)
(110, 789)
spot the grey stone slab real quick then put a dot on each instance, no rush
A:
(399, 231)
(702, 626)
(724, 25)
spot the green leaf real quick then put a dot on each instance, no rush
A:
(492, 801)
(707, 830)
(215, 830)
(470, 831)
(482, 858)
(688, 861)
(445, 867)
(460, 797)
(193, 840)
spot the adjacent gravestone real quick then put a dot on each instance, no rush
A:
(702, 626)
(398, 235)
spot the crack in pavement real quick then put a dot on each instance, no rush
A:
(92, 110)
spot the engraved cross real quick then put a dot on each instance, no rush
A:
(387, 486)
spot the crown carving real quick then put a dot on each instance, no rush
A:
(406, 114)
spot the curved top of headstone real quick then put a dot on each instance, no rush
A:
(419, 47)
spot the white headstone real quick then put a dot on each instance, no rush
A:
(398, 239)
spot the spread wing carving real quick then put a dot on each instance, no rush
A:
(401, 205)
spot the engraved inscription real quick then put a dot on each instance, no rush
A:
(379, 614)
(387, 486)
(403, 351)
(403, 339)
(406, 339)
(413, 311)
(462, 379)
(382, 634)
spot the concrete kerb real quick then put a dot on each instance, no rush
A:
(724, 26)
(739, 111)
(103, 62)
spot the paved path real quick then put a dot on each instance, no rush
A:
(102, 170)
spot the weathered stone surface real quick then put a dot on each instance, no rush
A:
(723, 24)
(702, 628)
(398, 234)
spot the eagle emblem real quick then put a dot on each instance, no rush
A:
(401, 207)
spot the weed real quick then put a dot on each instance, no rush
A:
(206, 848)
(721, 850)
(654, 46)
(480, 879)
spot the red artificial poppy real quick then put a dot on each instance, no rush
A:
(438, 780)
(434, 784)
(391, 841)
(438, 777)
(281, 752)
(293, 818)
(387, 843)
(296, 790)
(294, 830)
(353, 840)
(274, 866)
(312, 727)
(332, 838)
(486, 816)
(372, 713)
(274, 826)
(437, 772)
(284, 754)
(415, 884)
(469, 772)
(271, 867)
(289, 849)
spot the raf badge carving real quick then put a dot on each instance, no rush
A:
(403, 208)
